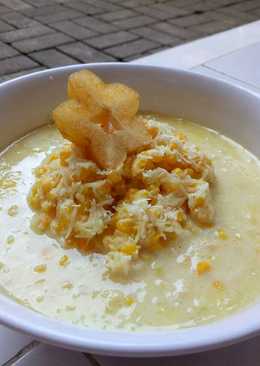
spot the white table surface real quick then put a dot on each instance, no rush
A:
(234, 56)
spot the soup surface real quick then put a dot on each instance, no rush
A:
(166, 290)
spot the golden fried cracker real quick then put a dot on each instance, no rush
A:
(101, 119)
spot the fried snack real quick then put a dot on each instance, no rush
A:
(122, 101)
(74, 122)
(101, 119)
(87, 89)
(70, 117)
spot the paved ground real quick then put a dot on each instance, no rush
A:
(36, 34)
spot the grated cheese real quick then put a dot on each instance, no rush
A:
(143, 205)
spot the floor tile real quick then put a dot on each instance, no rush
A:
(10, 343)
(198, 52)
(242, 64)
(219, 75)
(44, 355)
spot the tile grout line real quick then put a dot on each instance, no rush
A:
(222, 73)
(229, 53)
(21, 353)
(92, 360)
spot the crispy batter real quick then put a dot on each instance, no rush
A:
(87, 89)
(70, 117)
(134, 135)
(122, 101)
(73, 121)
(101, 119)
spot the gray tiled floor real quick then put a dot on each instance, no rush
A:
(36, 34)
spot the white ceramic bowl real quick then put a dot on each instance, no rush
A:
(26, 102)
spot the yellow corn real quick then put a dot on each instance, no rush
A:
(178, 171)
(13, 210)
(10, 239)
(218, 285)
(40, 298)
(64, 261)
(181, 217)
(52, 157)
(222, 234)
(153, 131)
(126, 226)
(47, 185)
(64, 155)
(143, 193)
(67, 285)
(199, 201)
(156, 241)
(156, 212)
(129, 300)
(7, 183)
(203, 267)
(40, 268)
(181, 136)
(40, 171)
(129, 249)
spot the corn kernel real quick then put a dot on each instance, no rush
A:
(203, 267)
(218, 285)
(222, 234)
(156, 212)
(7, 183)
(129, 300)
(52, 157)
(190, 172)
(40, 268)
(156, 241)
(13, 210)
(143, 193)
(64, 261)
(10, 239)
(40, 171)
(64, 155)
(178, 171)
(126, 226)
(199, 201)
(153, 131)
(157, 159)
(174, 145)
(40, 298)
(67, 285)
(181, 217)
(47, 186)
(181, 136)
(129, 249)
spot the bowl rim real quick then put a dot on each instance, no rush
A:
(231, 329)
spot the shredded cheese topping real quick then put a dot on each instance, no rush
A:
(142, 205)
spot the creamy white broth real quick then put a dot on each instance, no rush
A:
(166, 289)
